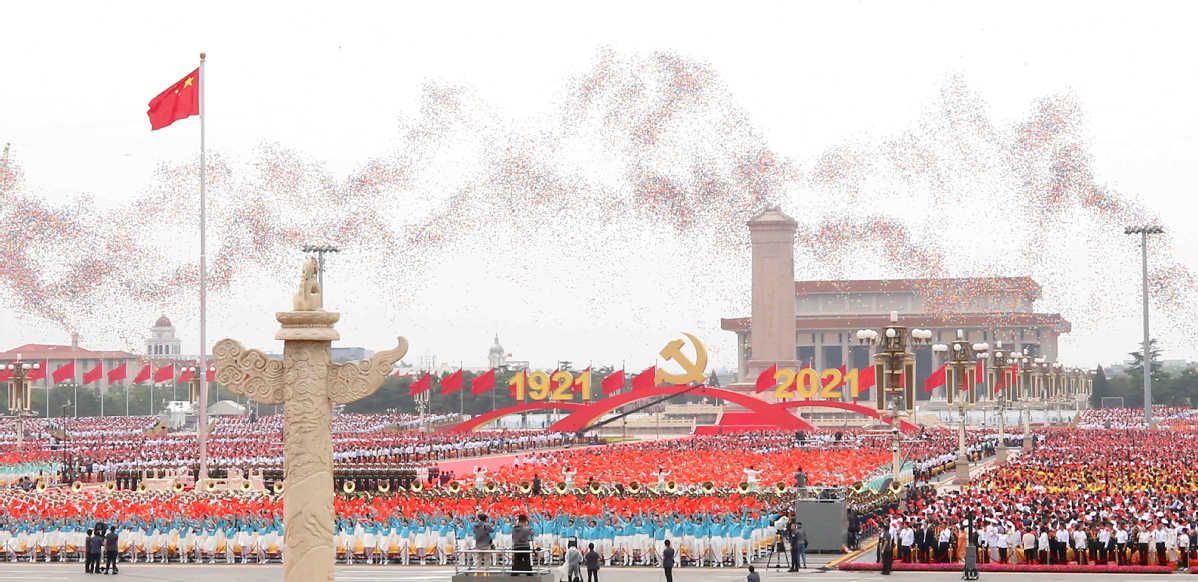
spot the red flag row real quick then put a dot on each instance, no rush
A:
(485, 382)
(66, 372)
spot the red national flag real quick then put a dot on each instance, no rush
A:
(451, 383)
(164, 373)
(420, 386)
(866, 379)
(646, 379)
(186, 375)
(766, 380)
(482, 383)
(94, 375)
(117, 373)
(179, 101)
(64, 373)
(5, 373)
(39, 372)
(614, 382)
(142, 375)
(210, 375)
(979, 373)
(935, 380)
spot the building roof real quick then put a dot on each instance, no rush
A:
(937, 320)
(1023, 285)
(56, 352)
(163, 321)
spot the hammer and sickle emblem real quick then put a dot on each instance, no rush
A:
(693, 370)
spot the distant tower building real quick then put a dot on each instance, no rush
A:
(496, 357)
(162, 342)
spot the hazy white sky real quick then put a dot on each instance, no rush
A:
(331, 79)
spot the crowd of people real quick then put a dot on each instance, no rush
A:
(1105, 493)
(1131, 417)
(122, 448)
(1081, 496)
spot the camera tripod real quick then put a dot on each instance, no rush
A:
(778, 546)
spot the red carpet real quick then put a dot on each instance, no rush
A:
(1030, 568)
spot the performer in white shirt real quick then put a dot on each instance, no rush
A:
(568, 474)
(661, 473)
(751, 474)
(480, 477)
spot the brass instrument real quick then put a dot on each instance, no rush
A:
(560, 487)
(671, 486)
(780, 487)
(245, 485)
(349, 486)
(178, 487)
(110, 485)
(490, 487)
(384, 487)
(634, 487)
(743, 487)
(417, 486)
(708, 487)
(455, 487)
(76, 486)
(278, 487)
(525, 487)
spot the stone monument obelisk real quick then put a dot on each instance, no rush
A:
(307, 383)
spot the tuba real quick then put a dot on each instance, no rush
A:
(560, 487)
(780, 487)
(141, 485)
(525, 487)
(178, 487)
(671, 486)
(708, 487)
(383, 487)
(595, 488)
(278, 486)
(634, 487)
(417, 486)
(858, 488)
(347, 487)
(743, 487)
(110, 485)
(76, 486)
(490, 487)
(455, 487)
(895, 488)
(210, 485)
(245, 485)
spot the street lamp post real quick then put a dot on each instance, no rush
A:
(1001, 368)
(961, 357)
(20, 396)
(422, 400)
(1025, 396)
(895, 391)
(1144, 231)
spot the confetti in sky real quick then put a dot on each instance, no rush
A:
(645, 174)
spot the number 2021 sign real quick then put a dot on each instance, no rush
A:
(809, 383)
(558, 386)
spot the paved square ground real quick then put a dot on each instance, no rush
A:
(274, 573)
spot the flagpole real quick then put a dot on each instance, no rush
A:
(202, 429)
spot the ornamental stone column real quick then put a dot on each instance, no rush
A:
(307, 383)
